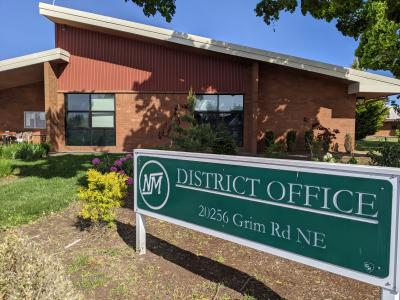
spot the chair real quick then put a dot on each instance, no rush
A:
(19, 137)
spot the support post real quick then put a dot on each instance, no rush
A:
(389, 295)
(140, 234)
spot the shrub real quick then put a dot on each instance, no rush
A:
(348, 143)
(224, 143)
(185, 132)
(5, 167)
(276, 150)
(329, 158)
(353, 161)
(290, 140)
(269, 138)
(194, 138)
(25, 151)
(308, 139)
(123, 165)
(26, 272)
(105, 192)
(316, 148)
(388, 155)
(326, 135)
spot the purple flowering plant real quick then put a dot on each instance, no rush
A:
(122, 165)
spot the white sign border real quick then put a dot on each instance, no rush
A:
(391, 282)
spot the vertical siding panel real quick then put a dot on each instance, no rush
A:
(106, 62)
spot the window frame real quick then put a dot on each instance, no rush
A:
(218, 112)
(89, 112)
(35, 125)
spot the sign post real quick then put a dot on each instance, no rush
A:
(140, 234)
(339, 218)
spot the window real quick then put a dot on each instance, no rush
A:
(90, 119)
(35, 119)
(227, 109)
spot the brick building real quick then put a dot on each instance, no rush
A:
(110, 84)
(391, 123)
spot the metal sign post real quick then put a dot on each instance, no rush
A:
(140, 234)
(339, 218)
(389, 295)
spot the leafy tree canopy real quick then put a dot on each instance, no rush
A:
(150, 7)
(370, 115)
(376, 23)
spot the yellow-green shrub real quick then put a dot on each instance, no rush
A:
(105, 192)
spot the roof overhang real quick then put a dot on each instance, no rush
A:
(28, 69)
(360, 82)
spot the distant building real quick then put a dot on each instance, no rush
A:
(390, 124)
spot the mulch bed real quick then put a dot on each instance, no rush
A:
(179, 264)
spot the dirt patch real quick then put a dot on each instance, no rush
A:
(8, 179)
(179, 264)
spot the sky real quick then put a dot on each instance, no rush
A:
(23, 30)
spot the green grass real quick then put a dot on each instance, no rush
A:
(42, 186)
(373, 143)
(5, 167)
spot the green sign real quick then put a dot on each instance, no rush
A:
(343, 220)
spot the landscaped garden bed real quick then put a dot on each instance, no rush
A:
(180, 264)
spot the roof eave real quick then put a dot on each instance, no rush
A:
(385, 85)
(56, 55)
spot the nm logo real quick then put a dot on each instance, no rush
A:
(154, 184)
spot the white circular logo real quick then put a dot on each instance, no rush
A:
(154, 184)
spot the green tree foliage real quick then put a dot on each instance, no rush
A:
(224, 142)
(187, 134)
(150, 7)
(375, 23)
(370, 115)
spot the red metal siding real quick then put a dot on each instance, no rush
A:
(105, 62)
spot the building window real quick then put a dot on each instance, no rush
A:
(35, 120)
(90, 119)
(217, 109)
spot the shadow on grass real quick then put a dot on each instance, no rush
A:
(200, 265)
(62, 166)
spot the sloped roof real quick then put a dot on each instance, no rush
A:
(363, 83)
(28, 69)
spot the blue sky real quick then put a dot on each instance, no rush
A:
(24, 31)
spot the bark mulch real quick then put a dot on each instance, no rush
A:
(179, 264)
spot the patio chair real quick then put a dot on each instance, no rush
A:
(26, 137)
(19, 137)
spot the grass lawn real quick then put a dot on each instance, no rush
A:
(41, 187)
(373, 143)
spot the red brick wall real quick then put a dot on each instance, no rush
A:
(388, 129)
(13, 103)
(295, 99)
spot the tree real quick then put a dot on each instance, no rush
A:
(186, 133)
(150, 7)
(370, 115)
(375, 23)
